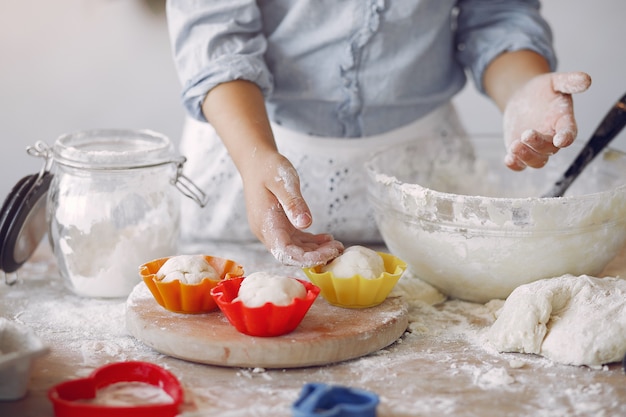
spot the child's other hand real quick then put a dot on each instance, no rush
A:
(277, 214)
(539, 118)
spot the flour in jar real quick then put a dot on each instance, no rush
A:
(101, 238)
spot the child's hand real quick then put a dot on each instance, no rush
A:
(539, 118)
(277, 214)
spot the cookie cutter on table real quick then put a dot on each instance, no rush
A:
(322, 400)
(70, 398)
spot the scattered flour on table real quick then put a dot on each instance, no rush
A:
(450, 335)
(495, 377)
(92, 329)
(412, 289)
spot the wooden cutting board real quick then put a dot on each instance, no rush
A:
(328, 334)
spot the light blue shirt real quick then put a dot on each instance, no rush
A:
(347, 68)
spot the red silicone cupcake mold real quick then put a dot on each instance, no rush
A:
(268, 320)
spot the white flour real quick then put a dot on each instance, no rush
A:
(439, 367)
(103, 244)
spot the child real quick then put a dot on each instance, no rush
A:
(288, 98)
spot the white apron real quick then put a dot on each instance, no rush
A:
(332, 178)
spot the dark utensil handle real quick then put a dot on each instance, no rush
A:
(607, 130)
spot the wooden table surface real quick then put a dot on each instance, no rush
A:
(439, 367)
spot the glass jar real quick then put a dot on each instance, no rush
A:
(113, 205)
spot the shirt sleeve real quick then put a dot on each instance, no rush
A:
(216, 41)
(487, 28)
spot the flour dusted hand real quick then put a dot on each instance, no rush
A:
(278, 214)
(539, 118)
(575, 320)
(260, 288)
(188, 269)
(356, 260)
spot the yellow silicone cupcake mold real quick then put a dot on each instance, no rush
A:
(188, 298)
(356, 291)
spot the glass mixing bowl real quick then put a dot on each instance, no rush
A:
(476, 230)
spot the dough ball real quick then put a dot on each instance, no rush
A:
(574, 320)
(262, 287)
(188, 269)
(356, 260)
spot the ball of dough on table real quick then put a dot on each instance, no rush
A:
(574, 320)
(356, 260)
(188, 269)
(260, 288)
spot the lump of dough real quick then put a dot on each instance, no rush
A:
(188, 269)
(574, 320)
(260, 288)
(356, 260)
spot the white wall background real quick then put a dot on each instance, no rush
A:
(68, 65)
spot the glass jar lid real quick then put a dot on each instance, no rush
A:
(22, 221)
(113, 149)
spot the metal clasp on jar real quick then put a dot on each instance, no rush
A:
(187, 186)
(41, 150)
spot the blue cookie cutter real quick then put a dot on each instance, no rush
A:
(322, 400)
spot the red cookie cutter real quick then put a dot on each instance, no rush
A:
(69, 398)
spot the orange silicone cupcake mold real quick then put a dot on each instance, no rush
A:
(187, 298)
(268, 320)
(356, 291)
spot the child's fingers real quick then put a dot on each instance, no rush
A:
(570, 82)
